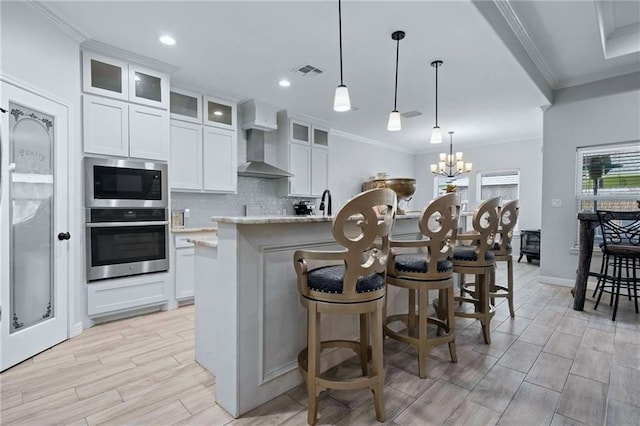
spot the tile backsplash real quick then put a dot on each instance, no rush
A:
(251, 191)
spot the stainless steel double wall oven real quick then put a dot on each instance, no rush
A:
(127, 224)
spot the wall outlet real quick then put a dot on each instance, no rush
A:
(556, 202)
(186, 213)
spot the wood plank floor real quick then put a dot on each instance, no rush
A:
(548, 365)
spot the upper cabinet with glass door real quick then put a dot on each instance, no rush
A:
(116, 78)
(105, 76)
(148, 87)
(219, 113)
(185, 106)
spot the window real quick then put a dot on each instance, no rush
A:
(501, 183)
(607, 178)
(462, 189)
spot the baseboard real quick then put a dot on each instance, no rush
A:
(76, 329)
(565, 282)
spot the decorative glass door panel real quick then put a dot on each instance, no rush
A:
(31, 196)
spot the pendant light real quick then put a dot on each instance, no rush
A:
(436, 134)
(394, 123)
(341, 101)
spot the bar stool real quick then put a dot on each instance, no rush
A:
(621, 241)
(502, 253)
(430, 269)
(478, 259)
(356, 285)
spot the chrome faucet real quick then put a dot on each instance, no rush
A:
(328, 211)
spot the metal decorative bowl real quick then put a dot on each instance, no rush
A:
(403, 187)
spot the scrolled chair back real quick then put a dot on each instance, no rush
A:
(362, 226)
(439, 223)
(619, 228)
(508, 219)
(485, 223)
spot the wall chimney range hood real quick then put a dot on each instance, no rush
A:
(255, 165)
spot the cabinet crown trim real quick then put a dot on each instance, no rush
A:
(106, 49)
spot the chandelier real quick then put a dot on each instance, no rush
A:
(449, 165)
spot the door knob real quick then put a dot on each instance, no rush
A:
(64, 236)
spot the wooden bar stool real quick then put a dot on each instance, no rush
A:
(478, 259)
(502, 252)
(427, 267)
(356, 285)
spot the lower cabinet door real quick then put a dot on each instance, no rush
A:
(219, 160)
(185, 272)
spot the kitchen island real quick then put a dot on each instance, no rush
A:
(250, 324)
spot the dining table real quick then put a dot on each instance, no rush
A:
(588, 224)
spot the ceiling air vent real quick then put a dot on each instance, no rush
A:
(411, 114)
(307, 70)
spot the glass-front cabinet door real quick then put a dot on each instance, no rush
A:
(148, 87)
(105, 76)
(320, 137)
(219, 113)
(300, 131)
(185, 106)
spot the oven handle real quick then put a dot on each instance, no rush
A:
(120, 224)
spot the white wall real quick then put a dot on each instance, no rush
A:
(525, 156)
(603, 112)
(35, 52)
(352, 161)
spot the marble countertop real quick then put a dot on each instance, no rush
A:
(263, 220)
(194, 229)
(204, 242)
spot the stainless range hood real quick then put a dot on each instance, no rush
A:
(255, 165)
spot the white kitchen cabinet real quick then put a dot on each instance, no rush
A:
(148, 133)
(112, 127)
(300, 164)
(303, 150)
(148, 87)
(258, 115)
(319, 171)
(123, 294)
(105, 76)
(185, 105)
(219, 113)
(203, 159)
(106, 126)
(220, 160)
(186, 156)
(184, 269)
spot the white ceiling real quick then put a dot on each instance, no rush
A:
(243, 48)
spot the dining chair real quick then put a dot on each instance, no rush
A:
(353, 284)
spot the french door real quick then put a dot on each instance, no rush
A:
(34, 246)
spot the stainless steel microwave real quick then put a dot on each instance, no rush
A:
(125, 183)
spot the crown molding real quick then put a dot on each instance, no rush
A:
(481, 144)
(99, 47)
(374, 142)
(73, 32)
(590, 78)
(527, 43)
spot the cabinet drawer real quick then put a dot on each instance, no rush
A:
(111, 296)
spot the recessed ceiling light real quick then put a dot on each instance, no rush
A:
(168, 40)
(217, 112)
(284, 83)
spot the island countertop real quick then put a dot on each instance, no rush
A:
(262, 220)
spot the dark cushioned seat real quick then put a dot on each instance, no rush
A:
(418, 263)
(328, 279)
(496, 246)
(469, 253)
